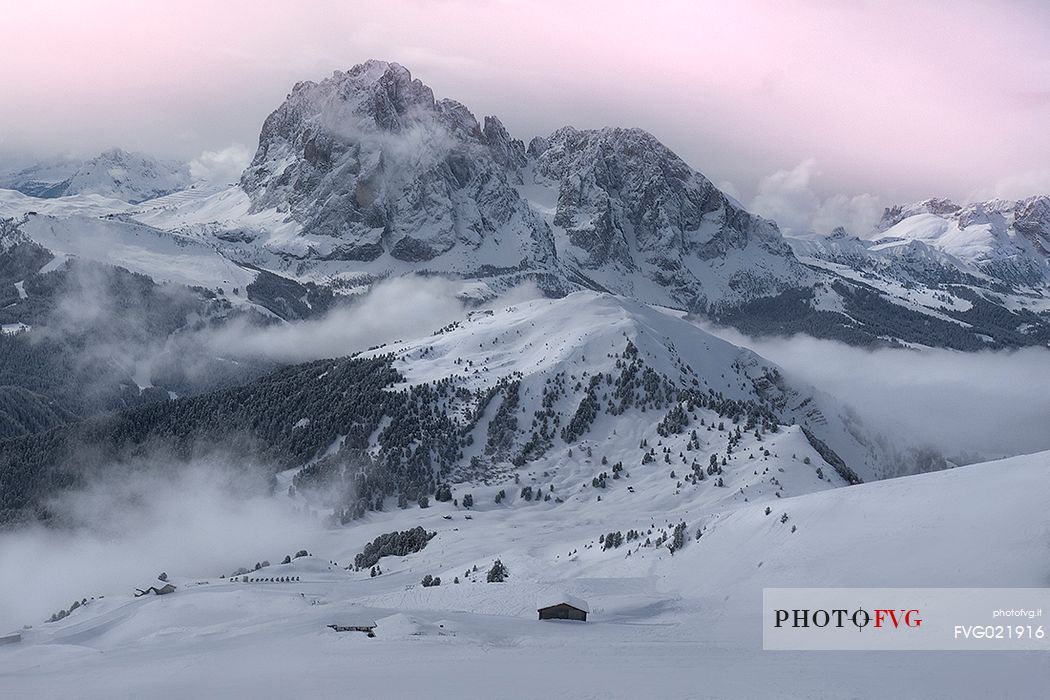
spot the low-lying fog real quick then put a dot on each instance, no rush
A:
(204, 519)
(972, 406)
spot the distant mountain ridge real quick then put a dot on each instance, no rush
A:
(115, 173)
(1006, 240)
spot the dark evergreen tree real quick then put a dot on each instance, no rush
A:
(498, 573)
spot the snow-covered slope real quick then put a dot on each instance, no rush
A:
(588, 388)
(1001, 245)
(14, 204)
(984, 268)
(114, 174)
(685, 625)
(161, 255)
(560, 351)
(1006, 240)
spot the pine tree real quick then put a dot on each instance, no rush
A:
(498, 573)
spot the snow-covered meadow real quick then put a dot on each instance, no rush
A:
(685, 625)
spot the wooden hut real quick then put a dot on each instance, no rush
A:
(564, 607)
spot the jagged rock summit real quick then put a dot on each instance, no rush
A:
(633, 217)
(380, 174)
(372, 166)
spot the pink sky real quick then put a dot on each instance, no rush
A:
(900, 100)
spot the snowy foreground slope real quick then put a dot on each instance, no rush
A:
(662, 625)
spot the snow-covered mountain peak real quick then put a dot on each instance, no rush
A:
(626, 204)
(366, 175)
(983, 268)
(1007, 240)
(114, 173)
(939, 207)
(385, 92)
(510, 152)
(584, 328)
(375, 169)
(588, 353)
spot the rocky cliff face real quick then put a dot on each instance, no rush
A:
(372, 166)
(629, 211)
(384, 177)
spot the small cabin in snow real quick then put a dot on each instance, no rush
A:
(565, 607)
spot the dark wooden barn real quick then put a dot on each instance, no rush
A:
(565, 608)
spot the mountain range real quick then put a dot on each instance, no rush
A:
(366, 175)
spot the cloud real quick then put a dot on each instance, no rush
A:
(401, 308)
(970, 406)
(109, 329)
(730, 189)
(789, 198)
(203, 519)
(1018, 186)
(214, 513)
(222, 166)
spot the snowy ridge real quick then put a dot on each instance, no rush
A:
(984, 267)
(161, 255)
(1000, 243)
(114, 174)
(1007, 240)
(568, 342)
